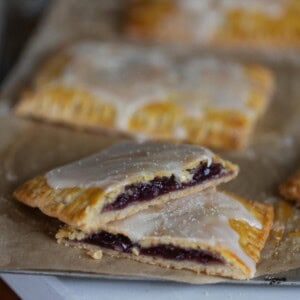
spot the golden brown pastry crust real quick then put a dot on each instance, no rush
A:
(251, 240)
(163, 108)
(290, 189)
(81, 206)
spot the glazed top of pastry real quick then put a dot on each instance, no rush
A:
(202, 217)
(132, 76)
(128, 161)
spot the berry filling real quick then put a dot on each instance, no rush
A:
(121, 243)
(145, 191)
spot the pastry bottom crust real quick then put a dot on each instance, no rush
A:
(224, 270)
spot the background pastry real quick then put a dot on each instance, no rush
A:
(290, 189)
(151, 93)
(231, 23)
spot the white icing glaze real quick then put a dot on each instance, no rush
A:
(201, 217)
(113, 167)
(270, 7)
(130, 77)
(223, 85)
(204, 18)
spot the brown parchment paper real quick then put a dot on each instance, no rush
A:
(28, 148)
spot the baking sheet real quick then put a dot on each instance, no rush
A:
(28, 148)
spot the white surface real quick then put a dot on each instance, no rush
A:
(49, 287)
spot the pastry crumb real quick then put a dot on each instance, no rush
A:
(135, 251)
(95, 254)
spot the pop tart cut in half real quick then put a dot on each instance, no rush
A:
(211, 232)
(122, 180)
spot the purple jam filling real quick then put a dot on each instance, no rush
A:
(145, 191)
(122, 243)
(118, 242)
(176, 253)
